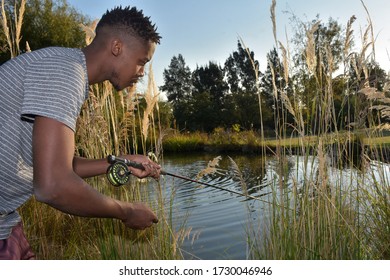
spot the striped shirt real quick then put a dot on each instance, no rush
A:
(50, 82)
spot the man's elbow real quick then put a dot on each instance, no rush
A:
(46, 193)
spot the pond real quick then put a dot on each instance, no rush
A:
(219, 220)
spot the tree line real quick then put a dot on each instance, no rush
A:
(238, 94)
(213, 96)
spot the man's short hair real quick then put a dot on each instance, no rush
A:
(131, 21)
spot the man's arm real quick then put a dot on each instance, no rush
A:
(57, 184)
(93, 167)
(86, 168)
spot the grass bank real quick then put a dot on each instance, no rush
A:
(222, 140)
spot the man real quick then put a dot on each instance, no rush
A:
(41, 94)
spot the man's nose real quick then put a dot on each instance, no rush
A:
(141, 71)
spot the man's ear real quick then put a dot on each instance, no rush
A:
(116, 47)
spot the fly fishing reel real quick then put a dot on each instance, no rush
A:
(118, 173)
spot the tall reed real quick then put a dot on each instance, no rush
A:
(12, 28)
(320, 218)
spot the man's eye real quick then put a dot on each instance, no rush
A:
(143, 63)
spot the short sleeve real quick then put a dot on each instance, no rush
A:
(54, 87)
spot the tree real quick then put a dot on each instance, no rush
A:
(177, 79)
(240, 70)
(177, 87)
(242, 75)
(203, 116)
(210, 79)
(53, 23)
(49, 23)
(273, 84)
(209, 91)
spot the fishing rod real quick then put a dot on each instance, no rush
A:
(118, 174)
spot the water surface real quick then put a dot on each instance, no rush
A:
(220, 221)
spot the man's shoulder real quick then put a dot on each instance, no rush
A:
(58, 52)
(49, 55)
(52, 61)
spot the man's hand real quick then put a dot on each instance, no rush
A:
(151, 169)
(138, 216)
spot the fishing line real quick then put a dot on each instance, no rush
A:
(118, 174)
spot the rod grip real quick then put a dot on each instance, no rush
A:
(112, 159)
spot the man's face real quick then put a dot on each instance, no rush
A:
(130, 65)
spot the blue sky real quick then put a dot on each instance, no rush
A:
(208, 30)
